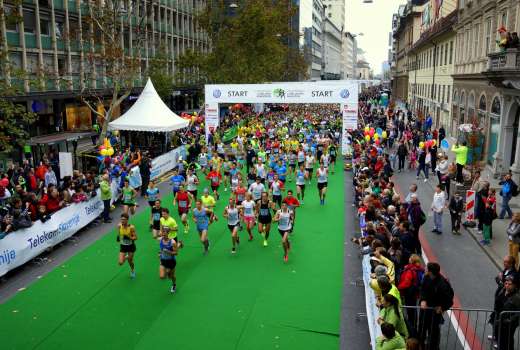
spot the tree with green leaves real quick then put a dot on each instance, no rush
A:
(14, 117)
(249, 45)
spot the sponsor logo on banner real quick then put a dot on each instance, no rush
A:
(279, 93)
(217, 93)
(165, 163)
(344, 93)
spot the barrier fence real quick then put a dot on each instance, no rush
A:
(21, 246)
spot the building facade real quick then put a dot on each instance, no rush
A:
(406, 31)
(335, 12)
(332, 51)
(431, 64)
(486, 80)
(50, 38)
(348, 56)
(311, 14)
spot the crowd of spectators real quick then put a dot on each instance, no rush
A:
(31, 193)
(412, 297)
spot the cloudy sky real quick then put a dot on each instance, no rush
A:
(375, 22)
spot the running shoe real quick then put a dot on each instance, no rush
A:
(173, 289)
(132, 274)
(250, 238)
(233, 250)
(186, 229)
(285, 258)
(265, 242)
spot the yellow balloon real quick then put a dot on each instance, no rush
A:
(376, 136)
(367, 128)
(384, 134)
(434, 142)
(109, 151)
(421, 144)
(104, 152)
(367, 138)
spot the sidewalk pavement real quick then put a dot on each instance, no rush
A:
(499, 244)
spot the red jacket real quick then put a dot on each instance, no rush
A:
(52, 204)
(408, 277)
(215, 177)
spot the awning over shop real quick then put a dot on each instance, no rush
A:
(53, 139)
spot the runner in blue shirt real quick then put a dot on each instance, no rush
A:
(176, 181)
(201, 218)
(281, 170)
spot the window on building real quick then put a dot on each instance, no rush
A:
(29, 21)
(10, 20)
(446, 54)
(476, 40)
(451, 52)
(448, 94)
(44, 26)
(487, 45)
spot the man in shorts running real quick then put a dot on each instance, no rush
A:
(201, 218)
(284, 217)
(183, 202)
(126, 237)
(168, 249)
(322, 175)
(232, 214)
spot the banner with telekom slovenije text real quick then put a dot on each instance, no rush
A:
(23, 245)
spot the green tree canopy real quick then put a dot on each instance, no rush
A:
(248, 45)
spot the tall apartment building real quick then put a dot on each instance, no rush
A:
(431, 62)
(332, 41)
(487, 80)
(406, 31)
(335, 12)
(311, 15)
(50, 36)
(349, 56)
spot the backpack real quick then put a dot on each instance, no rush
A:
(418, 275)
(447, 295)
(514, 189)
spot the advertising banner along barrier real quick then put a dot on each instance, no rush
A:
(23, 245)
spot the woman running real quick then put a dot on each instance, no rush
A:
(192, 181)
(309, 166)
(215, 177)
(263, 210)
(201, 218)
(322, 174)
(129, 195)
(301, 176)
(248, 213)
(276, 190)
(284, 218)
(183, 201)
(152, 193)
(168, 249)
(126, 237)
(232, 214)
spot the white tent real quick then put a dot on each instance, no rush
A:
(149, 113)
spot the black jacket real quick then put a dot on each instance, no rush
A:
(436, 292)
(507, 302)
(456, 206)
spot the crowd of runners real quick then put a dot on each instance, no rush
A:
(261, 175)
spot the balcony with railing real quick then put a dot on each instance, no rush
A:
(503, 68)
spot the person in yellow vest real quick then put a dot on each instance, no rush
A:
(461, 158)
(126, 237)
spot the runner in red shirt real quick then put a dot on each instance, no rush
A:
(240, 194)
(215, 177)
(183, 200)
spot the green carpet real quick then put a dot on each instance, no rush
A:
(251, 300)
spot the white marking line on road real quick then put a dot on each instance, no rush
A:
(460, 334)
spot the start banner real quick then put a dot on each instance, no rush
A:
(23, 245)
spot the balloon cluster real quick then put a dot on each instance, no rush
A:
(375, 135)
(106, 148)
(427, 144)
(194, 118)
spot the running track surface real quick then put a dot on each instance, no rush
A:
(251, 300)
